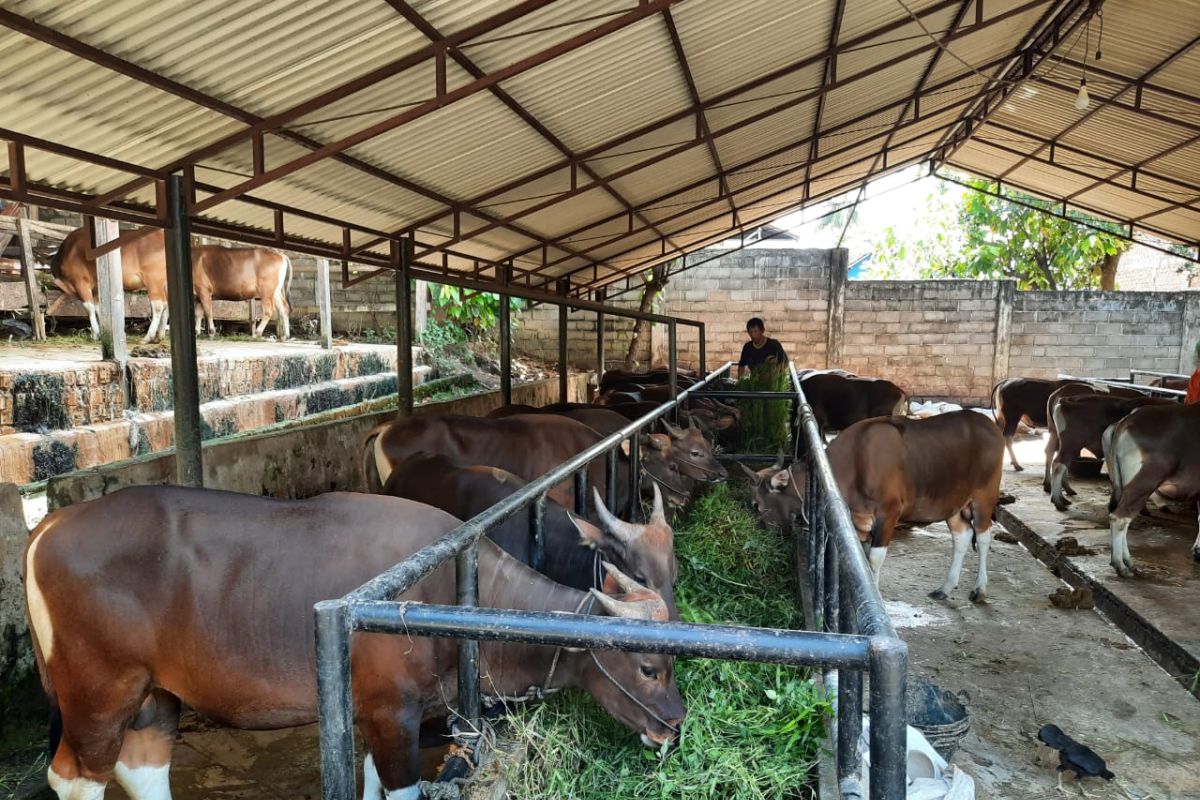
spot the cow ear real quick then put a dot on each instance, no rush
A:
(658, 441)
(589, 534)
(781, 479)
(751, 474)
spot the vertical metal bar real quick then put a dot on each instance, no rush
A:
(849, 706)
(703, 361)
(335, 709)
(466, 574)
(181, 310)
(610, 478)
(562, 345)
(673, 367)
(816, 537)
(635, 479)
(889, 680)
(581, 492)
(402, 255)
(505, 340)
(832, 588)
(537, 533)
(600, 296)
(323, 304)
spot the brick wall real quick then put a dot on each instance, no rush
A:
(935, 337)
(1098, 333)
(789, 289)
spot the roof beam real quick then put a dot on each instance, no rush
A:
(129, 69)
(1104, 103)
(644, 9)
(828, 76)
(701, 118)
(854, 42)
(1145, 86)
(1043, 41)
(432, 33)
(1131, 108)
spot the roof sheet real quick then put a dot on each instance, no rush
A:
(587, 140)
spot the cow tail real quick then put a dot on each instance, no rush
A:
(287, 282)
(370, 472)
(999, 413)
(1109, 439)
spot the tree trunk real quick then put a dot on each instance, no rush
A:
(1108, 272)
(653, 288)
(1043, 265)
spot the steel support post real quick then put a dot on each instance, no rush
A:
(537, 533)
(832, 589)
(335, 709)
(673, 367)
(703, 363)
(181, 311)
(850, 704)
(581, 492)
(505, 321)
(600, 295)
(610, 478)
(635, 479)
(563, 286)
(466, 573)
(402, 257)
(889, 681)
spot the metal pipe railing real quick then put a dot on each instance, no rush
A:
(847, 602)
(1124, 385)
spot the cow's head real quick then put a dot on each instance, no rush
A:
(778, 497)
(637, 689)
(661, 468)
(694, 455)
(647, 552)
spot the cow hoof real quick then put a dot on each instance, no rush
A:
(978, 596)
(1070, 491)
(937, 594)
(1062, 505)
(1046, 488)
(1123, 570)
(1196, 554)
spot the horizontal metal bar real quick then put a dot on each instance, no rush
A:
(1125, 385)
(736, 394)
(855, 573)
(756, 458)
(403, 576)
(728, 642)
(1155, 374)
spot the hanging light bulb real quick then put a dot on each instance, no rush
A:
(1083, 99)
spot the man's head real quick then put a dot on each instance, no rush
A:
(756, 330)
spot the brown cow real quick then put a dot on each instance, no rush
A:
(155, 596)
(1081, 422)
(220, 273)
(894, 469)
(1155, 449)
(1052, 438)
(1017, 399)
(838, 401)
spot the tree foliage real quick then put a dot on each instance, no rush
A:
(476, 312)
(988, 237)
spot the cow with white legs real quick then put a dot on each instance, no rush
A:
(155, 596)
(895, 469)
(1154, 450)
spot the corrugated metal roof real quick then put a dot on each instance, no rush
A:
(591, 93)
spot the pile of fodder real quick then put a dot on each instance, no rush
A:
(752, 730)
(765, 424)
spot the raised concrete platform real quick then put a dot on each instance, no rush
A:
(62, 408)
(1157, 607)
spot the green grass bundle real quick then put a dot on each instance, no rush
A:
(752, 731)
(765, 423)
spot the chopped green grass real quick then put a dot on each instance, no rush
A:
(752, 731)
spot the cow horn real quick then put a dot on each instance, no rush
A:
(778, 461)
(657, 517)
(649, 608)
(622, 531)
(626, 583)
(753, 475)
(676, 433)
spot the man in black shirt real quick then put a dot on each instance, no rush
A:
(760, 349)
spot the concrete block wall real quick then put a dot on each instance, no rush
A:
(1098, 333)
(931, 337)
(535, 334)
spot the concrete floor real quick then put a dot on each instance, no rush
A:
(1024, 663)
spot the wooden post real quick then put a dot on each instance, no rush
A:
(601, 295)
(181, 307)
(505, 334)
(1005, 294)
(836, 320)
(1190, 333)
(36, 319)
(421, 308)
(110, 287)
(323, 303)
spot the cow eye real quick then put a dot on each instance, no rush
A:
(640, 578)
(696, 453)
(649, 672)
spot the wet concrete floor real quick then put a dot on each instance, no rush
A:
(1024, 663)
